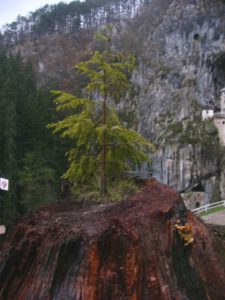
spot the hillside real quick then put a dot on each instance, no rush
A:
(179, 49)
(180, 53)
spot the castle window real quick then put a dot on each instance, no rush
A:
(223, 122)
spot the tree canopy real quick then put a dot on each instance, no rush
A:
(29, 153)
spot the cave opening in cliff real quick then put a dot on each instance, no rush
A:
(198, 188)
(197, 204)
(218, 72)
(196, 36)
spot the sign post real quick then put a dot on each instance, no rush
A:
(2, 229)
(4, 185)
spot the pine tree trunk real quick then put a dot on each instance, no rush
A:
(104, 150)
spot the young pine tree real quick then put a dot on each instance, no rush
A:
(103, 146)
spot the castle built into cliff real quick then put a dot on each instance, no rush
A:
(218, 117)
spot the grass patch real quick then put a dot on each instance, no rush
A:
(212, 210)
(117, 190)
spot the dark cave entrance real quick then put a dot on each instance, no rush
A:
(198, 188)
(217, 65)
(197, 204)
(196, 36)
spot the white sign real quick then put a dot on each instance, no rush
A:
(2, 229)
(4, 184)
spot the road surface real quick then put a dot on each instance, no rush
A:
(215, 218)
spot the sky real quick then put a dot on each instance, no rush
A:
(10, 9)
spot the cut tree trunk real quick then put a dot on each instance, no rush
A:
(124, 251)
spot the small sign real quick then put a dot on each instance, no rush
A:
(4, 184)
(2, 229)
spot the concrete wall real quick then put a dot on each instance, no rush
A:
(220, 124)
(222, 100)
(207, 113)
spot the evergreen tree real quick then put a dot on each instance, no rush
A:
(104, 147)
(30, 156)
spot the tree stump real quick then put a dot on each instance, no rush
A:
(124, 251)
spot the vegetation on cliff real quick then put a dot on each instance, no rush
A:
(66, 18)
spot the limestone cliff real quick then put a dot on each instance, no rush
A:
(181, 71)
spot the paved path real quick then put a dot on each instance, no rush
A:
(215, 218)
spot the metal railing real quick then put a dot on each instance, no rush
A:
(207, 207)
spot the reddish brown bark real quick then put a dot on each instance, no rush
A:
(127, 250)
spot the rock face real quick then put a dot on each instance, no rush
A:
(181, 71)
(127, 250)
